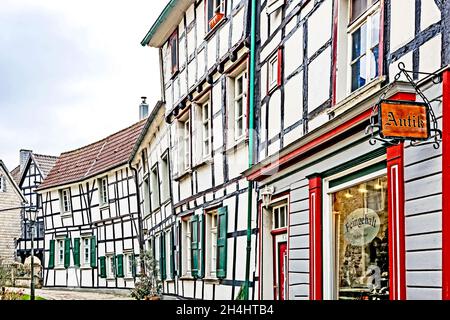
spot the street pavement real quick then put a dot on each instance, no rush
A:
(68, 294)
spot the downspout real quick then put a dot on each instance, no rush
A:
(250, 144)
(140, 232)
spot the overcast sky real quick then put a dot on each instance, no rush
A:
(72, 71)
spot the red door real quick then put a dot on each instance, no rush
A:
(282, 264)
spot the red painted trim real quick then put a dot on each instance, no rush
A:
(446, 186)
(334, 58)
(277, 232)
(274, 268)
(310, 145)
(260, 287)
(315, 238)
(280, 62)
(396, 215)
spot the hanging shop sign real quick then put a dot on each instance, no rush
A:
(405, 120)
(361, 226)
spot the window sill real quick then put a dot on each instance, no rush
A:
(242, 142)
(66, 215)
(59, 268)
(128, 278)
(85, 267)
(211, 280)
(272, 89)
(216, 27)
(183, 175)
(204, 162)
(104, 206)
(187, 278)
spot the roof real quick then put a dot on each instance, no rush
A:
(13, 182)
(93, 159)
(166, 23)
(44, 162)
(15, 174)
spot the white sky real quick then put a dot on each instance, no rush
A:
(72, 72)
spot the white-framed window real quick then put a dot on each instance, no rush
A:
(154, 177)
(111, 266)
(103, 190)
(363, 34)
(146, 196)
(211, 245)
(187, 144)
(280, 216)
(86, 251)
(184, 142)
(272, 72)
(274, 5)
(206, 129)
(2, 184)
(128, 264)
(144, 161)
(66, 205)
(60, 250)
(215, 13)
(174, 59)
(240, 105)
(165, 180)
(186, 257)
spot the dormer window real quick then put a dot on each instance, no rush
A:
(173, 45)
(216, 12)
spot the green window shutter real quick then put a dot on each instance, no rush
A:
(222, 242)
(102, 267)
(201, 242)
(66, 252)
(194, 246)
(51, 260)
(93, 252)
(172, 254)
(119, 258)
(76, 252)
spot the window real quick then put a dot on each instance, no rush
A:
(211, 230)
(364, 37)
(216, 12)
(146, 196)
(60, 260)
(273, 5)
(206, 130)
(111, 261)
(129, 265)
(279, 216)
(187, 145)
(2, 184)
(86, 251)
(274, 71)
(240, 105)
(103, 190)
(155, 188)
(165, 180)
(173, 44)
(144, 161)
(184, 143)
(361, 244)
(66, 206)
(186, 257)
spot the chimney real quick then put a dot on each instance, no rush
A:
(143, 109)
(24, 155)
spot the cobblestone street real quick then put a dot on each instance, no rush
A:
(53, 294)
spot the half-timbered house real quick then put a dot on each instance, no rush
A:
(29, 174)
(343, 218)
(204, 66)
(90, 210)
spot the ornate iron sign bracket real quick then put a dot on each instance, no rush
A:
(374, 128)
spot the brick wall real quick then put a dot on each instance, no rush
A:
(10, 228)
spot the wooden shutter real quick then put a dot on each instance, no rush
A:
(93, 253)
(76, 252)
(102, 267)
(222, 242)
(194, 246)
(172, 253)
(51, 260)
(119, 258)
(66, 252)
(201, 255)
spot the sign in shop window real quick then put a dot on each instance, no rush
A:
(361, 241)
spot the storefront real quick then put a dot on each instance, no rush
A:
(364, 221)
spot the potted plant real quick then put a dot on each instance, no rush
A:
(148, 286)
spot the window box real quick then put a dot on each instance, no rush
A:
(215, 20)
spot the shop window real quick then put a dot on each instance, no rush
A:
(216, 12)
(360, 214)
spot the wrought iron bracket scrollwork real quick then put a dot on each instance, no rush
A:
(374, 128)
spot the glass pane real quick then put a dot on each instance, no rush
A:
(205, 112)
(238, 108)
(361, 228)
(359, 42)
(239, 86)
(358, 7)
(282, 217)
(239, 129)
(375, 29)
(374, 63)
(359, 73)
(276, 217)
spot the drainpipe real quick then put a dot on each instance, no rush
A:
(140, 232)
(250, 144)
